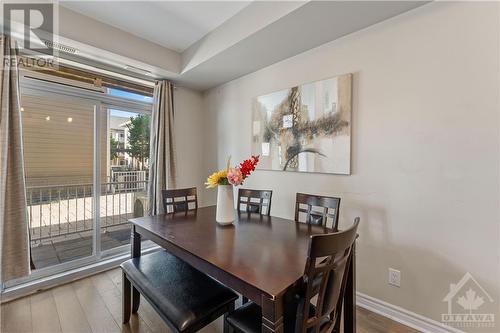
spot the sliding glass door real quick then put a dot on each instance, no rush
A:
(59, 135)
(86, 166)
(124, 189)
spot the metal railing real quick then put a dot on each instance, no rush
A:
(126, 179)
(61, 210)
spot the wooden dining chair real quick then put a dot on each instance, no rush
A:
(317, 209)
(254, 201)
(317, 305)
(180, 200)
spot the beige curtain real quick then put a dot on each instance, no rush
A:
(161, 156)
(14, 239)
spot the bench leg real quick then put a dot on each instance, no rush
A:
(126, 305)
(228, 328)
(136, 299)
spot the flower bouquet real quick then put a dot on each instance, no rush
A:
(224, 181)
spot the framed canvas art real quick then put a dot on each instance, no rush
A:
(306, 128)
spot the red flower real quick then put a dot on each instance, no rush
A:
(247, 166)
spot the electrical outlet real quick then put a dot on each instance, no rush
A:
(394, 277)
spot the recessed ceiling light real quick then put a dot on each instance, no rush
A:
(47, 118)
(22, 109)
(70, 119)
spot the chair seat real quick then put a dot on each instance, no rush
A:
(248, 317)
(184, 297)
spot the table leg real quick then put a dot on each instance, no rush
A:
(272, 314)
(135, 241)
(350, 296)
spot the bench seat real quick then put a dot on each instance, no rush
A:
(184, 297)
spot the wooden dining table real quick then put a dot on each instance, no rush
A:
(261, 257)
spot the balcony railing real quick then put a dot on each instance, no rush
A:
(58, 211)
(128, 176)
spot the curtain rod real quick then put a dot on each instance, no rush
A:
(149, 82)
(85, 66)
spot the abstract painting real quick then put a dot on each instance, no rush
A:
(306, 128)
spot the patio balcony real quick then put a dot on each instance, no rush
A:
(61, 218)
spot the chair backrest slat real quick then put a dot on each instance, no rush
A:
(328, 208)
(325, 278)
(255, 201)
(180, 200)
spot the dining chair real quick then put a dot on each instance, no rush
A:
(180, 200)
(317, 305)
(185, 298)
(254, 201)
(318, 209)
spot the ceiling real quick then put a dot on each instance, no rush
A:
(173, 24)
(201, 45)
(311, 25)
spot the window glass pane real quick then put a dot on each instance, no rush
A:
(124, 194)
(58, 135)
(59, 150)
(129, 95)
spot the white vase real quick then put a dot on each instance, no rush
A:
(225, 205)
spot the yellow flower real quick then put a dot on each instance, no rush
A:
(216, 178)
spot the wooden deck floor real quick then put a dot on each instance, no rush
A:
(93, 305)
(62, 211)
(76, 246)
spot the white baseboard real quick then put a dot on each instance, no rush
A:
(405, 317)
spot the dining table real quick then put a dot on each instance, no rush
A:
(261, 257)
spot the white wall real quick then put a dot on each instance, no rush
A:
(425, 148)
(189, 138)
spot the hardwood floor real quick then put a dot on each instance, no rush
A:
(94, 305)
